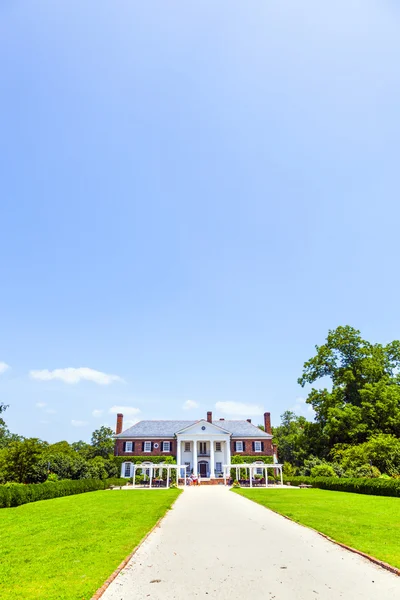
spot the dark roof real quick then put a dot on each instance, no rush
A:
(160, 429)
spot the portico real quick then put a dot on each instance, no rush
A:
(204, 448)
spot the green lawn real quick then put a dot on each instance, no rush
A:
(66, 548)
(368, 523)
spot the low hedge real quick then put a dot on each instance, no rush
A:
(15, 494)
(373, 487)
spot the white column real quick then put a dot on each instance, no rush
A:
(168, 477)
(178, 459)
(194, 457)
(266, 476)
(228, 452)
(281, 476)
(134, 475)
(212, 463)
(251, 476)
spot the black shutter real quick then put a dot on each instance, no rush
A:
(262, 446)
(244, 446)
(124, 446)
(133, 446)
(152, 446)
(142, 446)
(254, 446)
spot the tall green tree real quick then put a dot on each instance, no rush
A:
(364, 397)
(103, 441)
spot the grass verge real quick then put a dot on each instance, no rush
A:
(64, 549)
(367, 523)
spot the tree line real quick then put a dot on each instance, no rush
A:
(31, 460)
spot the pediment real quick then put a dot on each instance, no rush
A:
(203, 427)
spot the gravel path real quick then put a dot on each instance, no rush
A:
(216, 544)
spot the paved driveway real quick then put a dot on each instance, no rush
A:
(216, 544)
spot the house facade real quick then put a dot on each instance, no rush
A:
(203, 446)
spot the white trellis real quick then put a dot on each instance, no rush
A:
(150, 470)
(250, 468)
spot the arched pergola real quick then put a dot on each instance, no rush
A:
(251, 467)
(150, 469)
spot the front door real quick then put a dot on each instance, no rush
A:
(203, 469)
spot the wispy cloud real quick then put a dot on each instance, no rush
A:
(4, 367)
(303, 409)
(40, 404)
(125, 410)
(189, 404)
(97, 412)
(239, 409)
(75, 375)
(75, 423)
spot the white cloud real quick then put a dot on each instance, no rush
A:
(3, 367)
(125, 410)
(189, 404)
(97, 412)
(78, 423)
(239, 409)
(302, 409)
(75, 375)
(40, 404)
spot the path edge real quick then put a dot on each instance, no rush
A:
(100, 591)
(376, 561)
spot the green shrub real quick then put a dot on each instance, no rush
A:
(373, 487)
(323, 470)
(15, 494)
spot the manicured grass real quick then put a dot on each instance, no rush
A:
(368, 523)
(65, 549)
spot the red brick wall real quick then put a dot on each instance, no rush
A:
(137, 450)
(248, 451)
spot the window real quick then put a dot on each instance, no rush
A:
(239, 446)
(257, 447)
(127, 470)
(187, 447)
(128, 446)
(217, 446)
(203, 448)
(166, 446)
(188, 468)
(259, 470)
(147, 447)
(218, 467)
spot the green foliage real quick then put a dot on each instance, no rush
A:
(15, 494)
(237, 459)
(382, 451)
(19, 461)
(365, 395)
(323, 470)
(375, 487)
(118, 460)
(103, 441)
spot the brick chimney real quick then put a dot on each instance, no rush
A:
(209, 417)
(267, 422)
(120, 420)
(249, 420)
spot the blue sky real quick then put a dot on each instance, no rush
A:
(192, 194)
